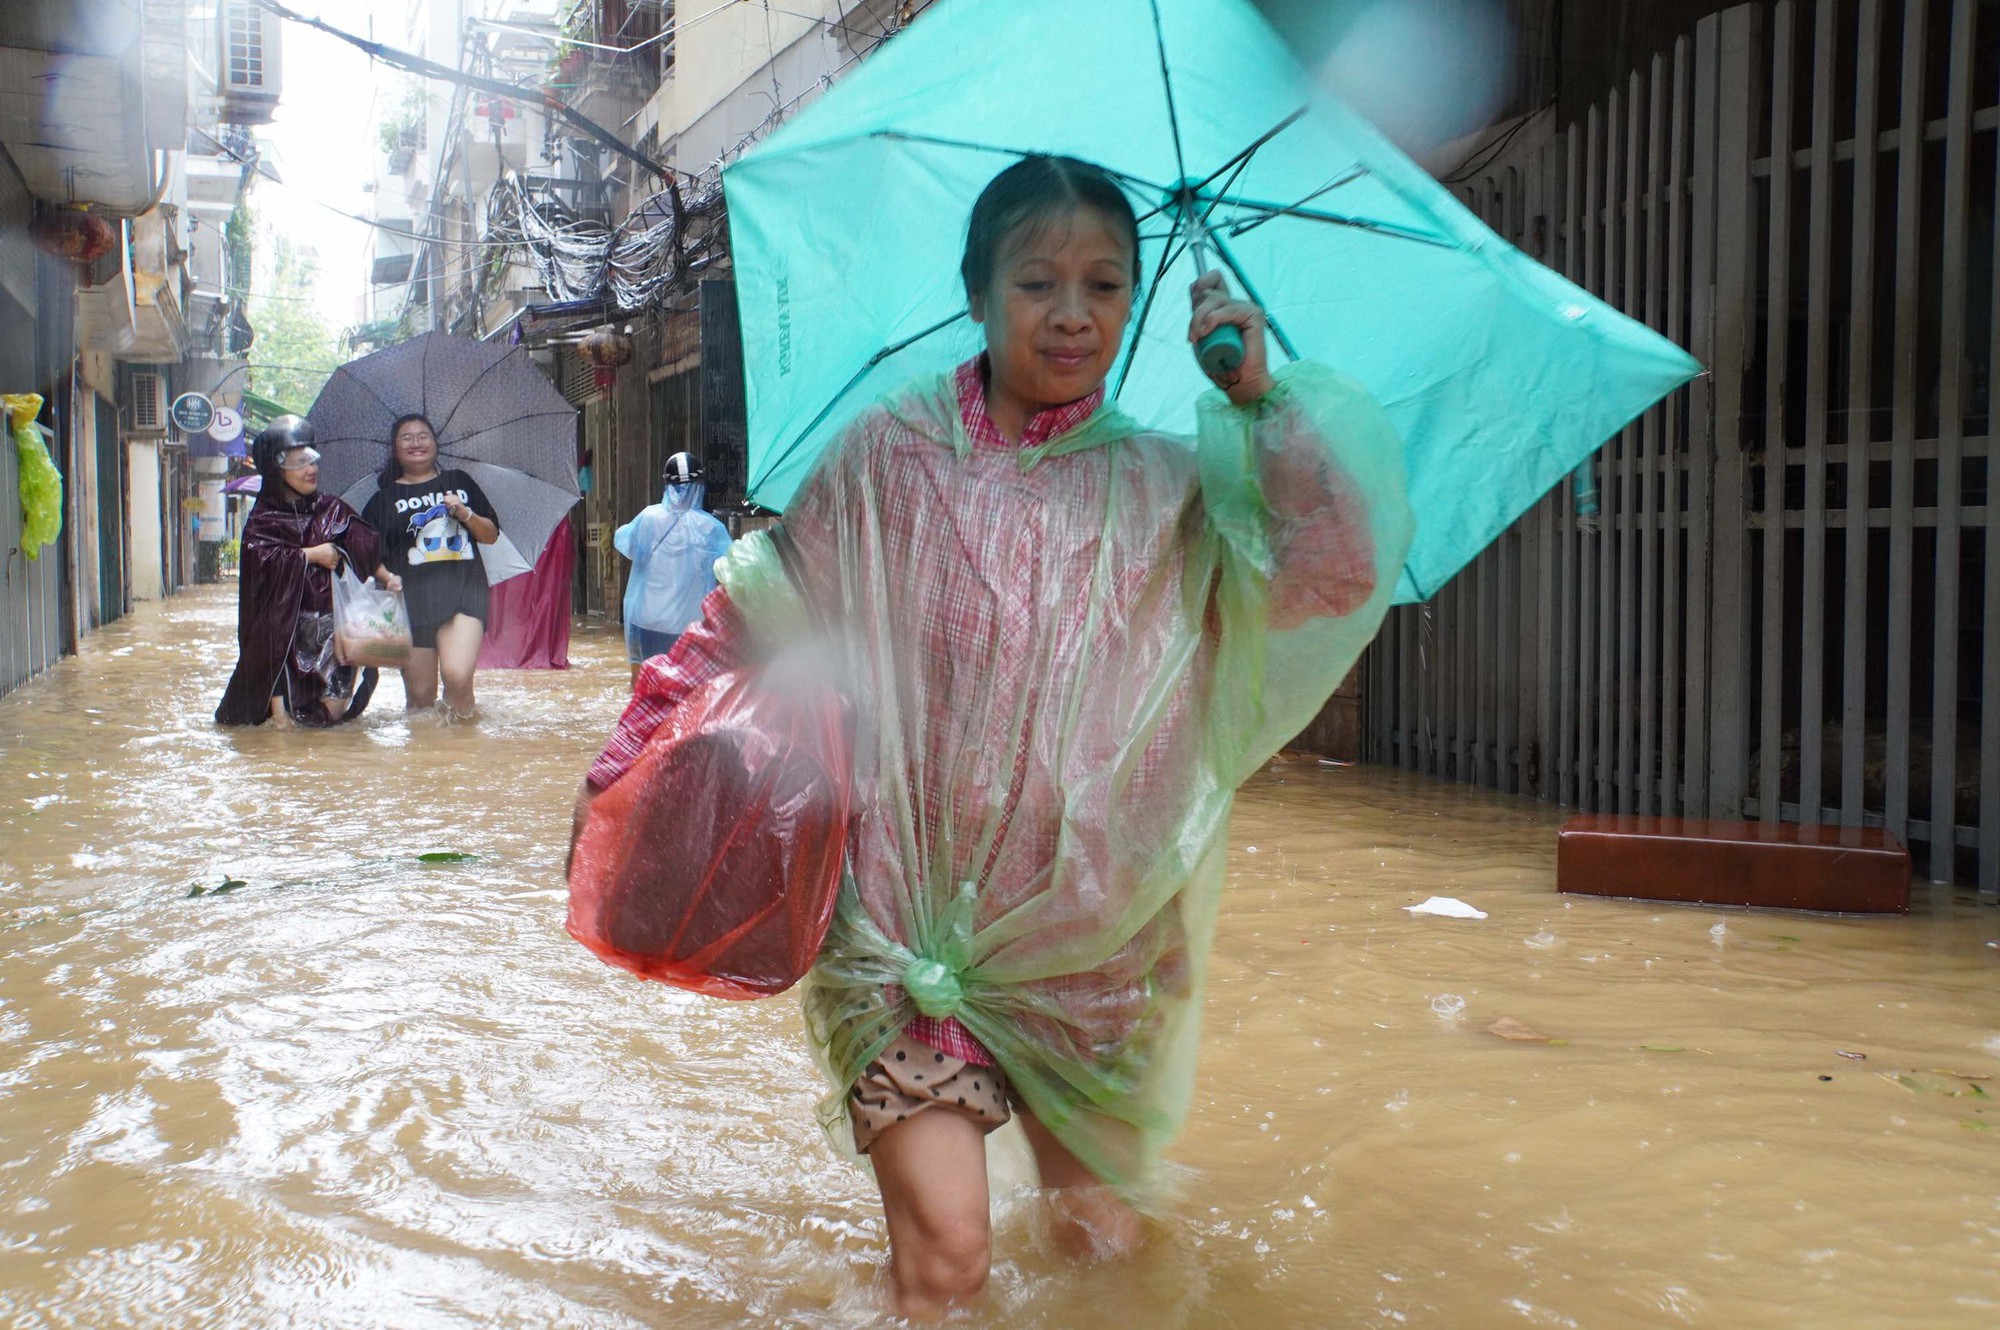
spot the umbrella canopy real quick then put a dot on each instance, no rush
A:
(1500, 375)
(497, 416)
(250, 484)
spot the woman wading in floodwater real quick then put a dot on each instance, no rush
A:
(433, 523)
(294, 541)
(1068, 640)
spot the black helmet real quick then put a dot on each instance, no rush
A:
(275, 440)
(681, 470)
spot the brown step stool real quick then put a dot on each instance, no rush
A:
(1786, 865)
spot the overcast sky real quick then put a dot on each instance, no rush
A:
(323, 144)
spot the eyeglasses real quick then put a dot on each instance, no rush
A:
(298, 459)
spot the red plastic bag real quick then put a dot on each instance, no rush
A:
(714, 862)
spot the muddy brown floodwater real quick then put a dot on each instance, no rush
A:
(362, 1089)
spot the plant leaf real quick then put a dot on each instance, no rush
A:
(444, 857)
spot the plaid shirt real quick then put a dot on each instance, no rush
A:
(716, 644)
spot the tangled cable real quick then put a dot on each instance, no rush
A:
(634, 264)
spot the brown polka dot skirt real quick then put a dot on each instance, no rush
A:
(910, 1077)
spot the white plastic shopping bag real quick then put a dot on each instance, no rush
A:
(370, 626)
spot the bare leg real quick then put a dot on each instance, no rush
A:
(932, 1172)
(1089, 1220)
(458, 643)
(420, 679)
(281, 719)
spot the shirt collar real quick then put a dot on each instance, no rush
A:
(1044, 425)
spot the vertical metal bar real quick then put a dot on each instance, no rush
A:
(1486, 699)
(1647, 507)
(1587, 739)
(1630, 477)
(1858, 433)
(1548, 600)
(1569, 780)
(1507, 640)
(1609, 611)
(1951, 433)
(1819, 318)
(1770, 651)
(1728, 660)
(1673, 622)
(1903, 423)
(1465, 697)
(1406, 691)
(1701, 407)
(1989, 627)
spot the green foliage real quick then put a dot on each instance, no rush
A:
(238, 246)
(403, 123)
(296, 349)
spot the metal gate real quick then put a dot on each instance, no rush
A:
(1783, 608)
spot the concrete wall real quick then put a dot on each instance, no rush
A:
(147, 572)
(33, 629)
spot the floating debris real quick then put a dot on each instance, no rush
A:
(1515, 1031)
(1446, 907)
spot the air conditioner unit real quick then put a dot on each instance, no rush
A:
(149, 402)
(247, 65)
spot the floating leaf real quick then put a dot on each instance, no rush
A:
(1661, 1048)
(445, 857)
(1858, 1057)
(1783, 937)
(1974, 1124)
(1962, 1075)
(196, 890)
(1511, 1029)
(229, 884)
(1558, 1043)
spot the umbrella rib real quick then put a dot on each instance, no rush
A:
(1167, 82)
(1167, 257)
(848, 387)
(1273, 211)
(466, 396)
(456, 455)
(905, 136)
(1228, 258)
(1242, 159)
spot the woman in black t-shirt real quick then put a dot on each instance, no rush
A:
(433, 523)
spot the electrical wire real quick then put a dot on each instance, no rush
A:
(663, 35)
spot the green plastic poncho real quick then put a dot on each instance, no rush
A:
(1065, 659)
(40, 483)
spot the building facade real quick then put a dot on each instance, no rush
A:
(120, 123)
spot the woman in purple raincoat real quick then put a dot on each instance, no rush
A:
(294, 541)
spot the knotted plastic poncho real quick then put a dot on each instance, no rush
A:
(673, 546)
(40, 482)
(1065, 659)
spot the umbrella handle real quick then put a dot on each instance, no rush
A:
(1220, 352)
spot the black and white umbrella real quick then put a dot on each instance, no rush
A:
(497, 416)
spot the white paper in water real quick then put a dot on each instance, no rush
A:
(1448, 907)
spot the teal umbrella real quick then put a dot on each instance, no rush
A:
(847, 225)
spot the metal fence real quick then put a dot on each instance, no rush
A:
(1783, 610)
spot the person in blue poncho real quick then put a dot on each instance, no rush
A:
(673, 546)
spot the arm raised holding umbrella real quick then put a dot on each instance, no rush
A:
(1067, 638)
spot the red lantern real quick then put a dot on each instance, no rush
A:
(72, 233)
(604, 351)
